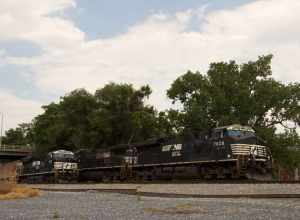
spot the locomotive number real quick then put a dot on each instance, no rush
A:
(218, 144)
(176, 153)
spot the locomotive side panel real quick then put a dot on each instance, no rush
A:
(178, 152)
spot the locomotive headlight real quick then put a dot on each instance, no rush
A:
(58, 165)
(228, 155)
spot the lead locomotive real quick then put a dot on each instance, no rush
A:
(226, 152)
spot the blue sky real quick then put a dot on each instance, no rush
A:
(97, 19)
(48, 48)
(101, 18)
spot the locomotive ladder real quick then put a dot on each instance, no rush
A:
(241, 165)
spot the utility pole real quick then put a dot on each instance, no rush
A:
(1, 129)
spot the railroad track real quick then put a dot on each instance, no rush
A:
(197, 182)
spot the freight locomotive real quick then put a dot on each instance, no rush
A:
(229, 152)
(58, 166)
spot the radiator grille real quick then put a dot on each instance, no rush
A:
(247, 149)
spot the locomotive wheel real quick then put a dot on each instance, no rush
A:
(147, 176)
(235, 174)
(51, 179)
(116, 178)
(220, 173)
(107, 179)
(199, 173)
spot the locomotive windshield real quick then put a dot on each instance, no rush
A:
(239, 133)
(61, 155)
(236, 131)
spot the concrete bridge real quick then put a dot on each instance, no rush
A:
(12, 153)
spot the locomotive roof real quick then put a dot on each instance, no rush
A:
(62, 152)
(146, 143)
(117, 147)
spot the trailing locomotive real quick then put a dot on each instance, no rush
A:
(227, 152)
(58, 166)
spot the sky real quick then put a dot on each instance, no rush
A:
(48, 48)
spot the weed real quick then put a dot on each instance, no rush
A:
(56, 215)
(9, 191)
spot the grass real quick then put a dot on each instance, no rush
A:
(13, 191)
(6, 188)
(139, 198)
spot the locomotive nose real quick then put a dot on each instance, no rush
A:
(250, 150)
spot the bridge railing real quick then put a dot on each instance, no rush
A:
(23, 148)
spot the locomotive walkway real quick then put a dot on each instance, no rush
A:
(185, 190)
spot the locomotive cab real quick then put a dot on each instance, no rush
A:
(239, 140)
(241, 144)
(63, 163)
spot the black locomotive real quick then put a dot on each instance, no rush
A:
(58, 166)
(226, 152)
(229, 152)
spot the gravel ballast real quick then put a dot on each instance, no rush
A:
(114, 206)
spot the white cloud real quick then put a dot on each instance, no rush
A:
(17, 110)
(32, 20)
(155, 51)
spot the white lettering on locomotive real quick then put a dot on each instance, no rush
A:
(176, 153)
(166, 148)
(171, 147)
(218, 143)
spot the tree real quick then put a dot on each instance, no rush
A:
(21, 135)
(115, 114)
(66, 124)
(286, 147)
(122, 115)
(231, 93)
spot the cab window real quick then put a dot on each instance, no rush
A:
(238, 133)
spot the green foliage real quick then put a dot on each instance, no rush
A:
(116, 114)
(22, 135)
(230, 93)
(122, 116)
(285, 147)
(65, 124)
